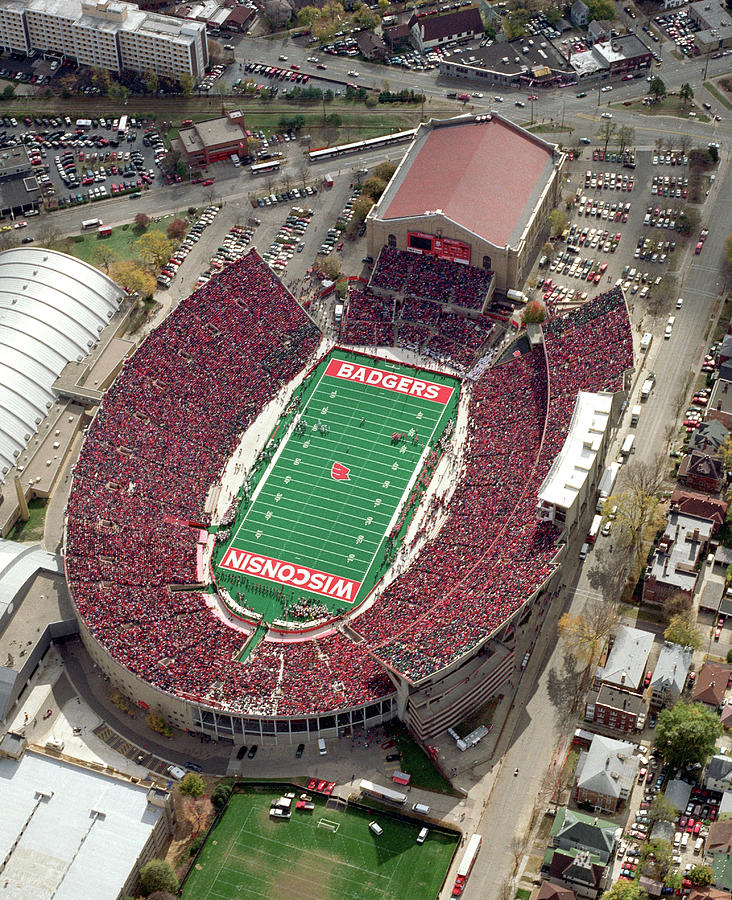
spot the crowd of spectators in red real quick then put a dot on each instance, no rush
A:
(172, 419)
(430, 278)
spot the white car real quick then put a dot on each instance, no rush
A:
(477, 94)
(606, 115)
(353, 74)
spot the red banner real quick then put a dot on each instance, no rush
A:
(389, 381)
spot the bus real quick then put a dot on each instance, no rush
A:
(122, 127)
(83, 123)
(607, 483)
(466, 864)
(398, 137)
(272, 165)
(384, 794)
(91, 223)
(628, 446)
(594, 529)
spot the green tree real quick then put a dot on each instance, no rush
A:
(220, 795)
(601, 9)
(686, 92)
(8, 92)
(187, 84)
(681, 630)
(374, 187)
(102, 79)
(702, 876)
(656, 858)
(152, 82)
(363, 17)
(661, 810)
(383, 5)
(657, 88)
(330, 267)
(674, 880)
(157, 875)
(625, 890)
(362, 207)
(557, 221)
(687, 733)
(132, 277)
(192, 785)
(385, 170)
(154, 248)
(119, 92)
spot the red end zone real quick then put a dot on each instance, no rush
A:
(389, 381)
(293, 575)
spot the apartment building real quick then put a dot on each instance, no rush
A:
(107, 34)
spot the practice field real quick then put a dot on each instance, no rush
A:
(317, 525)
(248, 854)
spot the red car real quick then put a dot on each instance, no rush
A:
(647, 681)
(690, 825)
(699, 246)
(208, 182)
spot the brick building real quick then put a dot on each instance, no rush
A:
(213, 140)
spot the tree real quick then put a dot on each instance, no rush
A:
(157, 875)
(104, 256)
(154, 248)
(220, 795)
(142, 220)
(626, 136)
(176, 229)
(557, 221)
(606, 131)
(374, 187)
(132, 277)
(681, 630)
(702, 876)
(119, 92)
(534, 312)
(687, 733)
(152, 82)
(585, 634)
(639, 505)
(330, 268)
(102, 80)
(187, 84)
(625, 890)
(674, 880)
(657, 88)
(686, 92)
(661, 810)
(192, 785)
(601, 9)
(656, 858)
(385, 170)
(362, 207)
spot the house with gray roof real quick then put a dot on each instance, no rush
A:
(579, 14)
(669, 676)
(677, 793)
(673, 568)
(718, 774)
(606, 774)
(708, 437)
(625, 666)
(574, 830)
(581, 871)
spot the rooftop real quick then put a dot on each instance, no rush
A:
(711, 684)
(721, 399)
(510, 58)
(485, 176)
(677, 552)
(672, 668)
(569, 471)
(621, 700)
(78, 832)
(459, 22)
(626, 662)
(211, 133)
(608, 767)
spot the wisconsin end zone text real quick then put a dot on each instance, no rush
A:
(288, 573)
(401, 384)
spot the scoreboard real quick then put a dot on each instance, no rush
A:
(456, 251)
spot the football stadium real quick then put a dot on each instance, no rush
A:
(275, 535)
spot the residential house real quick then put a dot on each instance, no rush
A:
(652, 887)
(700, 505)
(718, 774)
(726, 720)
(599, 30)
(719, 848)
(725, 805)
(579, 870)
(678, 793)
(625, 665)
(549, 891)
(397, 35)
(708, 893)
(575, 830)
(673, 569)
(720, 403)
(436, 31)
(371, 45)
(579, 14)
(670, 674)
(711, 684)
(615, 709)
(702, 472)
(708, 437)
(606, 774)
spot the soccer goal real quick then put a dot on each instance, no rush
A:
(328, 825)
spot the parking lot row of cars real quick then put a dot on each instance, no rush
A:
(659, 217)
(276, 72)
(169, 270)
(669, 158)
(288, 240)
(654, 251)
(680, 28)
(603, 209)
(332, 239)
(287, 196)
(626, 158)
(611, 181)
(593, 237)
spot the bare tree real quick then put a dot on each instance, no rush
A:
(585, 634)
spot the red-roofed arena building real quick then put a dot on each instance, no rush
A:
(476, 189)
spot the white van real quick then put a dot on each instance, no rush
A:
(55, 744)
(421, 808)
(677, 839)
(421, 837)
(669, 327)
(698, 845)
(376, 828)
(685, 840)
(584, 550)
(646, 341)
(322, 749)
(176, 772)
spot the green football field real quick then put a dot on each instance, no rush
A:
(326, 854)
(316, 524)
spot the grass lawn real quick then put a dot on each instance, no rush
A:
(119, 242)
(522, 894)
(669, 106)
(417, 764)
(715, 92)
(326, 854)
(32, 530)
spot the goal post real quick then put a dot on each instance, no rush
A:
(328, 825)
